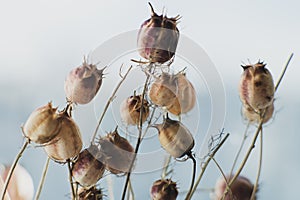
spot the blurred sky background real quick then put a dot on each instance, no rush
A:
(41, 41)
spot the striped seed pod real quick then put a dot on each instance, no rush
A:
(42, 125)
(164, 189)
(253, 117)
(83, 83)
(174, 137)
(88, 169)
(158, 37)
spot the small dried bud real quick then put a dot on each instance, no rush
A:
(174, 137)
(254, 117)
(83, 83)
(241, 189)
(164, 190)
(117, 153)
(158, 38)
(88, 169)
(256, 87)
(42, 125)
(92, 193)
(131, 107)
(67, 144)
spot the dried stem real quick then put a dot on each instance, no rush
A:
(108, 103)
(12, 168)
(205, 166)
(42, 181)
(71, 180)
(166, 171)
(193, 175)
(283, 71)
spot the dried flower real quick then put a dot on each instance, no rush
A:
(164, 189)
(92, 193)
(254, 117)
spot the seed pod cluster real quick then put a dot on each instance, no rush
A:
(174, 137)
(164, 189)
(241, 189)
(88, 169)
(83, 83)
(131, 108)
(174, 92)
(92, 193)
(118, 154)
(257, 92)
(158, 38)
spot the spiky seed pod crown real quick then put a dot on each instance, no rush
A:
(164, 189)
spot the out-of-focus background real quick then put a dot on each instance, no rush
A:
(41, 41)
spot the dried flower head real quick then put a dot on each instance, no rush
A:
(253, 117)
(92, 193)
(164, 189)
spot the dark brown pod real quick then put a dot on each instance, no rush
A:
(92, 193)
(158, 37)
(175, 138)
(117, 152)
(164, 189)
(88, 169)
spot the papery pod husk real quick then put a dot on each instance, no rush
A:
(253, 116)
(158, 37)
(118, 154)
(83, 83)
(256, 86)
(87, 169)
(68, 143)
(42, 125)
(241, 189)
(175, 138)
(130, 110)
(164, 189)
(92, 193)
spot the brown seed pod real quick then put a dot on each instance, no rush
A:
(253, 117)
(118, 153)
(164, 189)
(158, 37)
(42, 125)
(92, 193)
(241, 189)
(256, 87)
(67, 144)
(83, 83)
(174, 137)
(131, 107)
(88, 169)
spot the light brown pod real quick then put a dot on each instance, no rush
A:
(241, 189)
(256, 86)
(83, 83)
(253, 117)
(88, 169)
(164, 189)
(158, 37)
(67, 144)
(92, 193)
(174, 137)
(42, 125)
(130, 110)
(117, 152)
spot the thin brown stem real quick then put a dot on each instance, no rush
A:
(71, 179)
(108, 103)
(12, 168)
(43, 178)
(283, 71)
(193, 175)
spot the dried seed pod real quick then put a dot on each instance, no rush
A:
(185, 96)
(92, 193)
(131, 107)
(175, 138)
(21, 184)
(42, 125)
(253, 117)
(158, 37)
(256, 87)
(88, 169)
(118, 153)
(83, 83)
(164, 189)
(67, 144)
(241, 189)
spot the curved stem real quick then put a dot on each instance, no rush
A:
(70, 179)
(12, 168)
(193, 175)
(42, 181)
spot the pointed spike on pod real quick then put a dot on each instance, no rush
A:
(245, 67)
(153, 13)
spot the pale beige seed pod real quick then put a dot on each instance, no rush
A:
(131, 108)
(185, 96)
(118, 154)
(42, 125)
(174, 137)
(164, 189)
(88, 169)
(256, 87)
(68, 143)
(254, 117)
(83, 83)
(241, 189)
